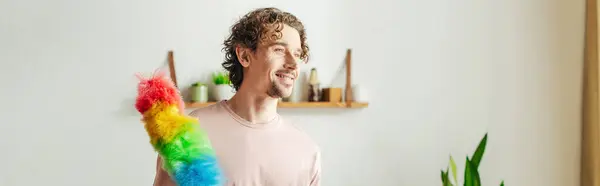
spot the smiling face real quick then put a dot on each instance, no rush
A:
(272, 68)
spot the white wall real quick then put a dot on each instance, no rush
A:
(439, 74)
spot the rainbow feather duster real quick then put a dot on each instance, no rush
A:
(186, 151)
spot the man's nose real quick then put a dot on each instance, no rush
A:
(290, 61)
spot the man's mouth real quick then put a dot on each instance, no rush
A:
(285, 78)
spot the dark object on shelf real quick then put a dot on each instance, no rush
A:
(332, 95)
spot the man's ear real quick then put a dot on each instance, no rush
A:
(243, 55)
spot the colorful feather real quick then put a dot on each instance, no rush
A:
(185, 148)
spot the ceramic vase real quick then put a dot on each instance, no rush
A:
(199, 93)
(223, 92)
(359, 94)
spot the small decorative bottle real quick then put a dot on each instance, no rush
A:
(314, 94)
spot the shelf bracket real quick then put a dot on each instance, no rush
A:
(348, 89)
(172, 68)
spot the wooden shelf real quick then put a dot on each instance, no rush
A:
(347, 103)
(295, 105)
(321, 105)
(197, 105)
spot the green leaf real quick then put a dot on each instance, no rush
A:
(502, 184)
(442, 177)
(453, 168)
(468, 174)
(478, 155)
(476, 180)
(445, 179)
(220, 78)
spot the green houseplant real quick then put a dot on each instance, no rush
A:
(221, 78)
(471, 175)
(223, 89)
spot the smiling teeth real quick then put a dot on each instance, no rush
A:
(283, 76)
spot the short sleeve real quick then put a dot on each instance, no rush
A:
(316, 170)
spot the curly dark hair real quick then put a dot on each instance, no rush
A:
(253, 28)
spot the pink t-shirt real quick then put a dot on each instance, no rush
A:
(266, 154)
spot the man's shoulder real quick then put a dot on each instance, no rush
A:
(208, 110)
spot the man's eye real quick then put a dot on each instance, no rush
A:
(278, 49)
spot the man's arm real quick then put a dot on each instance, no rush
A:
(162, 178)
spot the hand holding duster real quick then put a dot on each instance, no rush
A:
(184, 147)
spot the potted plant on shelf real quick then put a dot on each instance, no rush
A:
(223, 89)
(471, 175)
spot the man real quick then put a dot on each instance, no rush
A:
(255, 146)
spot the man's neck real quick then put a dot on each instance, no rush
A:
(252, 107)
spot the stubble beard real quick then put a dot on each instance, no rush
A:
(274, 91)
